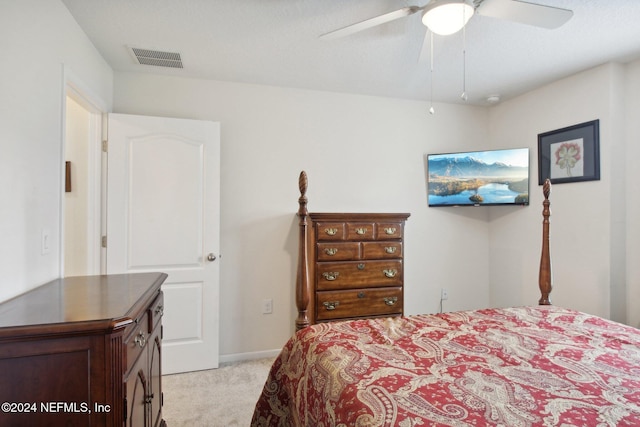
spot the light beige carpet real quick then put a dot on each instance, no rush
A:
(223, 397)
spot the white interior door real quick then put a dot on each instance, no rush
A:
(163, 204)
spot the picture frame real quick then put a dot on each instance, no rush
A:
(570, 154)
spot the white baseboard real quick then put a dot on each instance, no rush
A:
(240, 357)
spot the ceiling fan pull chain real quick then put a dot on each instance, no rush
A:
(464, 62)
(431, 109)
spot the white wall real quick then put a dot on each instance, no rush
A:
(360, 153)
(589, 219)
(632, 154)
(41, 46)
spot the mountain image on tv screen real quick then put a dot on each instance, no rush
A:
(479, 178)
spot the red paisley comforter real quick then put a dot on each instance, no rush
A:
(528, 366)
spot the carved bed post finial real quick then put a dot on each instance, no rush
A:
(302, 185)
(545, 277)
(302, 278)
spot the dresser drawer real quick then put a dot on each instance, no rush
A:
(381, 250)
(156, 310)
(360, 230)
(354, 274)
(389, 230)
(136, 341)
(358, 303)
(338, 251)
(330, 231)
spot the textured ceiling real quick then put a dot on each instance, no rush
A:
(275, 42)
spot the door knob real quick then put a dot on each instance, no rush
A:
(211, 257)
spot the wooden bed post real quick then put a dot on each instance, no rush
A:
(545, 277)
(302, 279)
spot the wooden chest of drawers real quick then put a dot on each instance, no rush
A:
(84, 351)
(356, 265)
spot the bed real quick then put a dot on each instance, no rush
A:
(537, 365)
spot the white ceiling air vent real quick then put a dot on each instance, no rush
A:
(156, 57)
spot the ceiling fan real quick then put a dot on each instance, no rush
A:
(449, 16)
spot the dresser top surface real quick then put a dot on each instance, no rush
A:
(358, 216)
(104, 300)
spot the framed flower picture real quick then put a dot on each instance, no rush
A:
(570, 154)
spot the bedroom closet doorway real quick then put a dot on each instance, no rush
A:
(163, 205)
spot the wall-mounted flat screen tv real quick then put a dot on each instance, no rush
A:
(479, 178)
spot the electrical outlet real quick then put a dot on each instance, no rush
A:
(444, 294)
(267, 306)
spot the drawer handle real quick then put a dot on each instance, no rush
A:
(361, 231)
(331, 251)
(331, 231)
(390, 300)
(361, 295)
(390, 273)
(390, 249)
(361, 266)
(330, 275)
(159, 310)
(331, 305)
(140, 339)
(390, 230)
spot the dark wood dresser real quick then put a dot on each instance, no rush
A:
(83, 351)
(357, 264)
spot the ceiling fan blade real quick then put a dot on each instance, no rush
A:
(372, 22)
(525, 13)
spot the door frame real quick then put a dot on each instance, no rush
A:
(74, 88)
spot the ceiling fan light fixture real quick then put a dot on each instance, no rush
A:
(446, 17)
